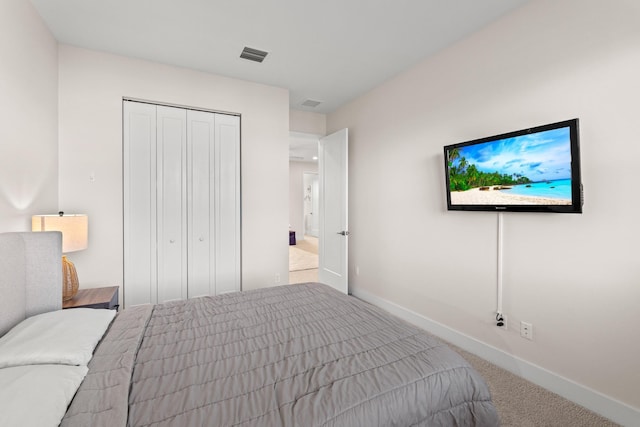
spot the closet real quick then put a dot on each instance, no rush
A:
(181, 173)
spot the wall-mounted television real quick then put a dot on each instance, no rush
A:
(530, 170)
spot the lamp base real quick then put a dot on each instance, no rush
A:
(69, 279)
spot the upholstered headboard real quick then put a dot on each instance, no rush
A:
(30, 275)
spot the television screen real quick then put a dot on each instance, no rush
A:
(530, 170)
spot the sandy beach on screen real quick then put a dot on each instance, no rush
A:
(499, 197)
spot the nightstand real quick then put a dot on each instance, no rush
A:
(94, 298)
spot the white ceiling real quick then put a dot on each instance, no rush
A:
(330, 51)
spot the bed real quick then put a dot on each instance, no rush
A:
(294, 355)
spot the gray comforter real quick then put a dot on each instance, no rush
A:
(299, 355)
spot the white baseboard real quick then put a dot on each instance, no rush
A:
(595, 401)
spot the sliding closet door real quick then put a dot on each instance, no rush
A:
(172, 197)
(227, 203)
(139, 192)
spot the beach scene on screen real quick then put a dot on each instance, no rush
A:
(533, 169)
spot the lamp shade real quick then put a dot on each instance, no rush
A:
(74, 228)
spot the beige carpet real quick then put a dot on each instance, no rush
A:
(521, 403)
(304, 254)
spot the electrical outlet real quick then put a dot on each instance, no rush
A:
(277, 278)
(501, 321)
(504, 322)
(526, 330)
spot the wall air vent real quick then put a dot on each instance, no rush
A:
(253, 54)
(311, 103)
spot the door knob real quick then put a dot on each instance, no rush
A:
(343, 233)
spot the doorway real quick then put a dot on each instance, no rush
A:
(303, 207)
(303, 256)
(319, 209)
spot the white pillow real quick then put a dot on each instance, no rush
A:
(37, 395)
(65, 337)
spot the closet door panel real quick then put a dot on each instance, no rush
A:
(200, 206)
(139, 166)
(227, 203)
(171, 215)
(182, 203)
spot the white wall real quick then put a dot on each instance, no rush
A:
(296, 194)
(29, 111)
(575, 277)
(92, 85)
(307, 122)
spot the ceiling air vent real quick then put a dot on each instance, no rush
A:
(253, 54)
(311, 103)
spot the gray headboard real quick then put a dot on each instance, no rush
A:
(30, 275)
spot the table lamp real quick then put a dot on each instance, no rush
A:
(75, 232)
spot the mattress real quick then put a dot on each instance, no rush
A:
(295, 355)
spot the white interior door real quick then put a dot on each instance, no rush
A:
(213, 203)
(333, 247)
(200, 203)
(140, 262)
(227, 204)
(181, 203)
(172, 197)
